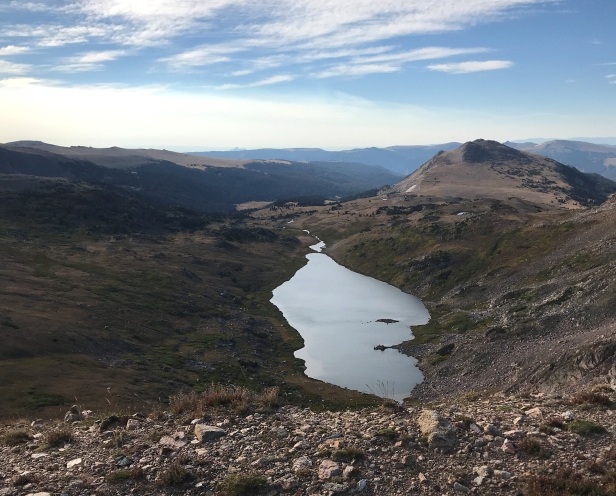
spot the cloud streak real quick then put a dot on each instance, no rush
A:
(280, 78)
(471, 66)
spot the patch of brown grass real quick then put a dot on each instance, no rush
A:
(15, 437)
(174, 475)
(567, 482)
(591, 398)
(237, 399)
(59, 437)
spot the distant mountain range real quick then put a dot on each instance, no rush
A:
(587, 157)
(398, 159)
(201, 183)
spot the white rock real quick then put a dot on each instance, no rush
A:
(74, 463)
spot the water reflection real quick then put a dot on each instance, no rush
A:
(336, 312)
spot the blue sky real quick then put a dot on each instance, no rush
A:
(216, 74)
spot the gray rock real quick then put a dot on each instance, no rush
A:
(515, 434)
(502, 474)
(73, 414)
(302, 463)
(335, 487)
(475, 428)
(492, 430)
(483, 471)
(288, 482)
(459, 488)
(205, 433)
(362, 485)
(123, 461)
(568, 416)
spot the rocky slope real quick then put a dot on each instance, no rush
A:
(492, 445)
(521, 289)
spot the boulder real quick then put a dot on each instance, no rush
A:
(438, 430)
(73, 415)
(205, 433)
(329, 469)
(175, 441)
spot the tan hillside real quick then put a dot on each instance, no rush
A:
(488, 169)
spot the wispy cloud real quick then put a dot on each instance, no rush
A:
(471, 66)
(11, 69)
(28, 6)
(356, 70)
(90, 61)
(611, 78)
(199, 57)
(392, 62)
(281, 78)
(13, 50)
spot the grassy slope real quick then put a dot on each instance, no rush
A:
(95, 312)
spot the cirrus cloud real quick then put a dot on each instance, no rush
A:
(471, 66)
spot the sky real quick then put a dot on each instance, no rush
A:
(335, 74)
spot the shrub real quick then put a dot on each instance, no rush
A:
(174, 475)
(59, 437)
(591, 398)
(532, 446)
(243, 485)
(585, 427)
(118, 476)
(348, 454)
(564, 483)
(387, 434)
(15, 437)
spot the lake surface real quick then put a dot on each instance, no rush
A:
(336, 311)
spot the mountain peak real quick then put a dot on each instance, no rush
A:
(488, 169)
(481, 151)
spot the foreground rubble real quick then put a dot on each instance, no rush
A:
(490, 445)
